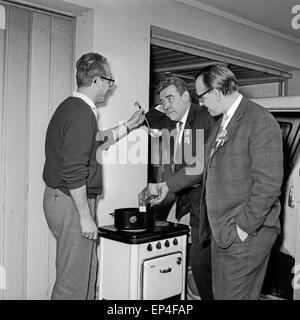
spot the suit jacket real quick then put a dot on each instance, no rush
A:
(186, 180)
(243, 176)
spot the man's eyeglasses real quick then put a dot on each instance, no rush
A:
(200, 96)
(110, 81)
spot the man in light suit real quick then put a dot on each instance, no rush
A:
(242, 177)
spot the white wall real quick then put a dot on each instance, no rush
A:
(129, 55)
(131, 17)
(84, 34)
(262, 90)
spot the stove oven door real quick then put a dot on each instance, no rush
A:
(162, 277)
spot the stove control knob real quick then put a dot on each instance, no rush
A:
(149, 247)
(178, 260)
(175, 242)
(167, 243)
(158, 245)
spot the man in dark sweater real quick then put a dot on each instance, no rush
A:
(73, 177)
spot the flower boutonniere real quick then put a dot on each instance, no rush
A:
(222, 137)
(155, 133)
(186, 136)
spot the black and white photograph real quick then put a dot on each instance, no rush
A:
(150, 153)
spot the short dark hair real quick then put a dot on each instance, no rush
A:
(88, 66)
(220, 77)
(180, 84)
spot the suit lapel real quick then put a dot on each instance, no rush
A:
(189, 135)
(233, 124)
(212, 139)
(209, 146)
(239, 113)
(188, 124)
(190, 117)
(180, 147)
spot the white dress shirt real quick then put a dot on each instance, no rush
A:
(230, 112)
(183, 121)
(87, 100)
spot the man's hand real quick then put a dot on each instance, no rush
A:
(136, 119)
(163, 190)
(89, 229)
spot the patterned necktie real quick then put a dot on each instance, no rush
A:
(176, 157)
(220, 133)
(224, 119)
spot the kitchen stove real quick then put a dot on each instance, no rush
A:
(143, 264)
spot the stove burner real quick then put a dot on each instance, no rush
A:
(161, 230)
(161, 223)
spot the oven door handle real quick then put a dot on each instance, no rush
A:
(165, 270)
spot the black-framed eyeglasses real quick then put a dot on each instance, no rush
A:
(200, 96)
(110, 81)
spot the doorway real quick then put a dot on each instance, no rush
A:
(169, 58)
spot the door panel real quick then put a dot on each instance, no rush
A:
(2, 139)
(15, 159)
(162, 277)
(288, 245)
(61, 86)
(40, 94)
(296, 270)
(63, 66)
(36, 72)
(283, 265)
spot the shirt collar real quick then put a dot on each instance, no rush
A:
(183, 121)
(87, 100)
(230, 112)
(184, 118)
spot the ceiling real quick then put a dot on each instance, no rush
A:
(166, 62)
(273, 14)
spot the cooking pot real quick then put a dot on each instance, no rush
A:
(133, 219)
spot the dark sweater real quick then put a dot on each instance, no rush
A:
(71, 148)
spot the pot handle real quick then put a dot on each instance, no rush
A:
(112, 214)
